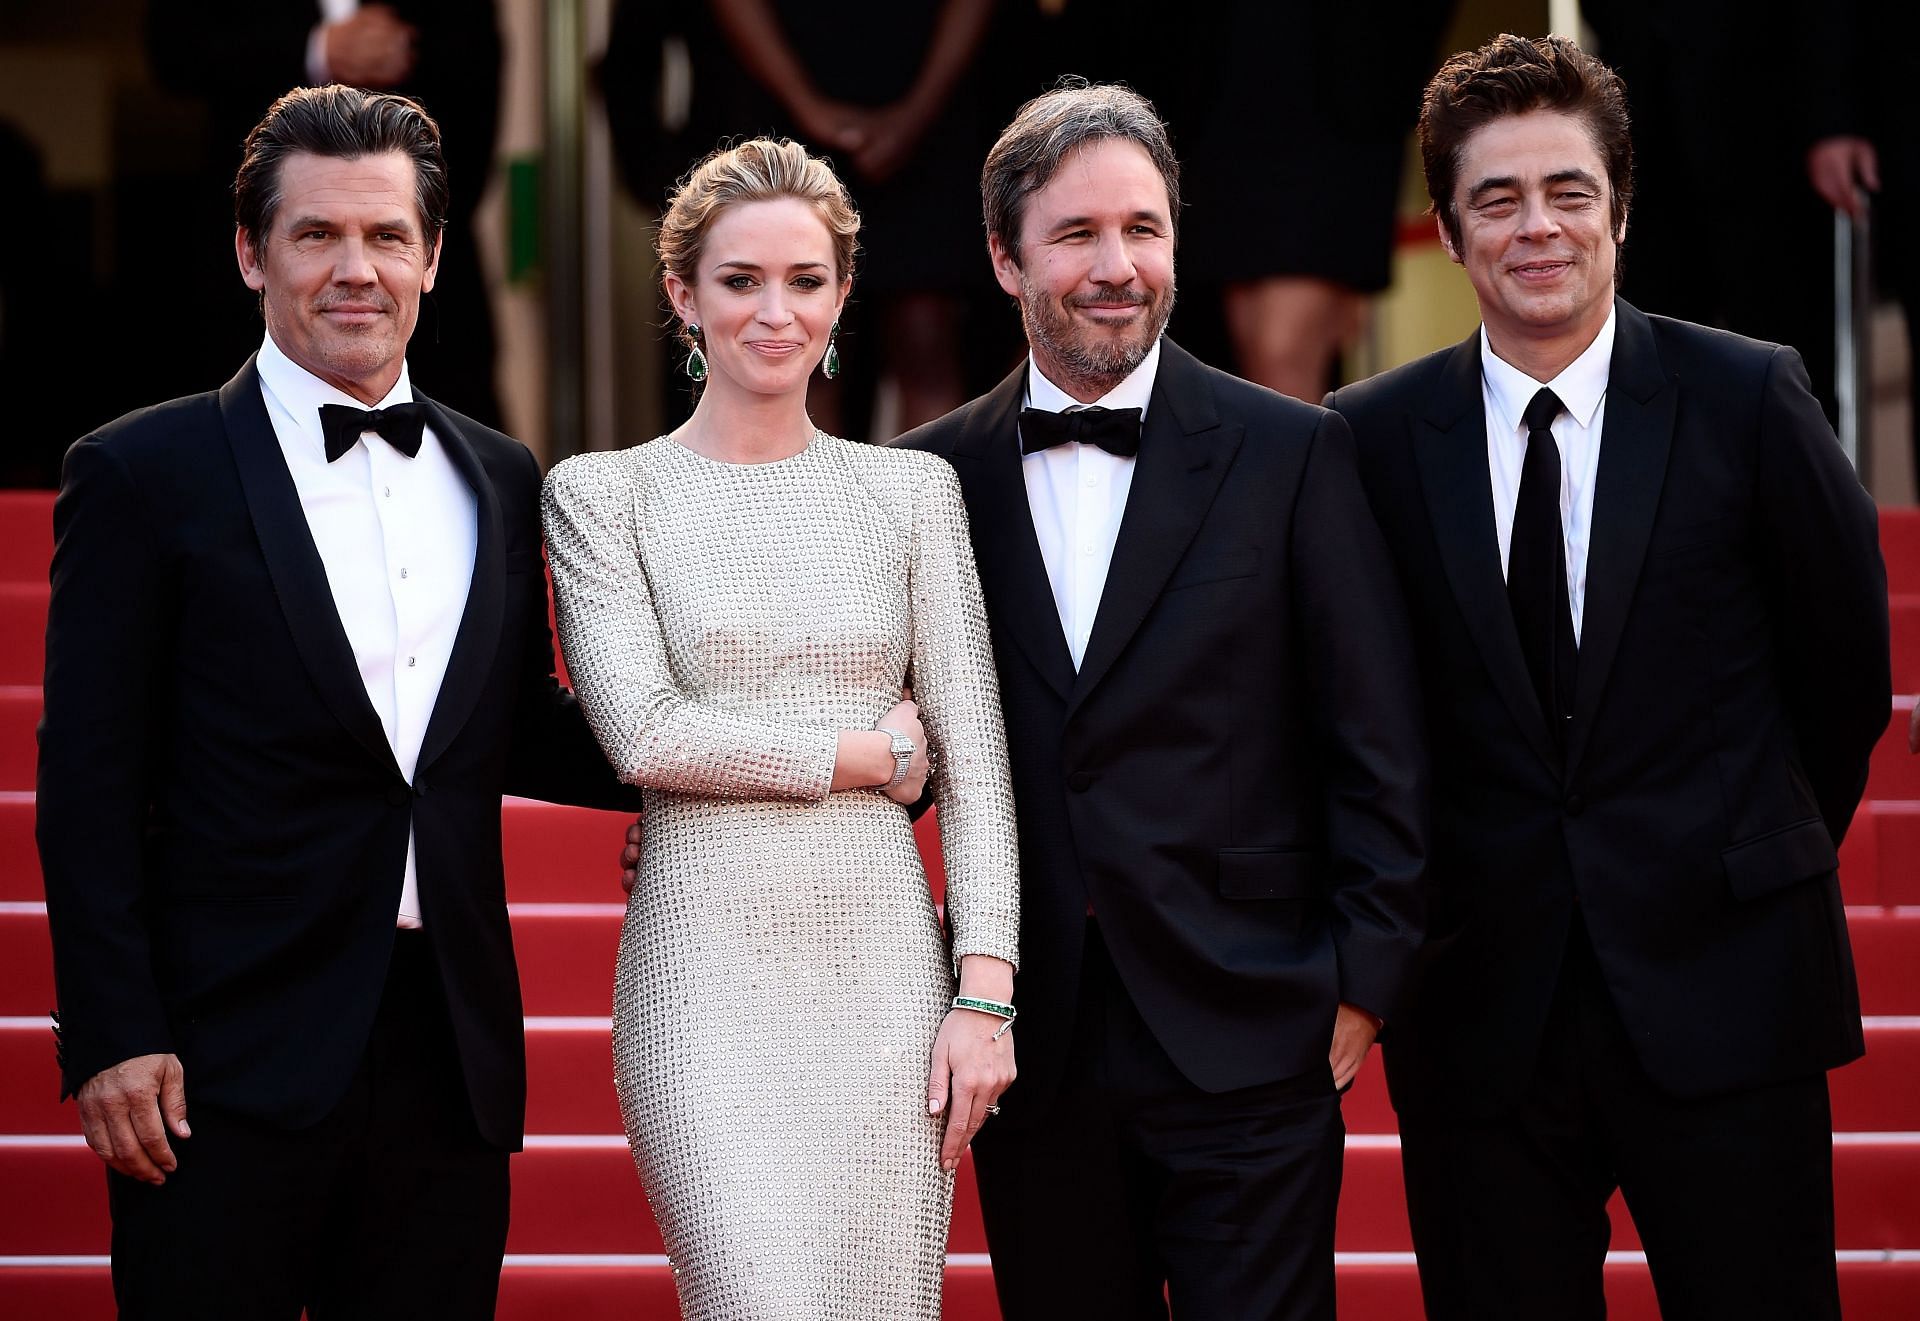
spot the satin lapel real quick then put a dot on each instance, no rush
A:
(1450, 450)
(293, 562)
(1012, 574)
(478, 638)
(1634, 442)
(1185, 452)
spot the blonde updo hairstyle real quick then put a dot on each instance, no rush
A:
(759, 170)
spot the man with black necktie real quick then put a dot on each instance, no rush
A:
(297, 650)
(1217, 763)
(1652, 621)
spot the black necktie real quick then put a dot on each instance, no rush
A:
(400, 425)
(1115, 430)
(1537, 570)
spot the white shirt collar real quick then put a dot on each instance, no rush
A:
(301, 393)
(1133, 392)
(1580, 387)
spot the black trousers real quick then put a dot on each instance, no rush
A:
(390, 1207)
(1136, 1190)
(1732, 1195)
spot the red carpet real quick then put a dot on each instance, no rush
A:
(583, 1246)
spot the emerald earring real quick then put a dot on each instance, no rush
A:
(696, 361)
(830, 365)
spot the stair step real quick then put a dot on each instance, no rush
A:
(1900, 544)
(566, 955)
(26, 535)
(23, 631)
(580, 1194)
(19, 716)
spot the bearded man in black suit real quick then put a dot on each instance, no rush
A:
(1217, 760)
(1651, 617)
(296, 652)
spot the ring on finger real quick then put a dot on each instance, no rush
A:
(993, 1109)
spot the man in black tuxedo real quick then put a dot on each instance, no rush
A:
(1217, 761)
(296, 653)
(1651, 619)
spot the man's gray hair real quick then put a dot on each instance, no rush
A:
(1053, 126)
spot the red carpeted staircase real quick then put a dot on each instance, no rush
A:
(582, 1246)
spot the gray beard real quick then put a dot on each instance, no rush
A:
(1089, 368)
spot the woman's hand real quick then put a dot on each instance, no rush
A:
(970, 1070)
(905, 718)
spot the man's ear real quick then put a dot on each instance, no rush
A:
(1006, 266)
(428, 276)
(1446, 239)
(253, 266)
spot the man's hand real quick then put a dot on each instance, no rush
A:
(1353, 1032)
(630, 857)
(128, 1110)
(1839, 167)
(371, 49)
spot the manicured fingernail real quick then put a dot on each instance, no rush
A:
(933, 1106)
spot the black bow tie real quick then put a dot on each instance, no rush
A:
(1115, 430)
(400, 425)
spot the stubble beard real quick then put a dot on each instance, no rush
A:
(1091, 364)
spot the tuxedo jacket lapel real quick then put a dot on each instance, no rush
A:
(1185, 452)
(1450, 450)
(478, 638)
(1634, 442)
(293, 562)
(1012, 573)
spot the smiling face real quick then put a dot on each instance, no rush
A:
(1095, 270)
(1533, 203)
(342, 267)
(765, 295)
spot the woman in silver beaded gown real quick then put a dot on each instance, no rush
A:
(740, 604)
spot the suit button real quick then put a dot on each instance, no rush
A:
(1575, 804)
(398, 795)
(1080, 782)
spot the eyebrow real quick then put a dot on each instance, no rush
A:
(1077, 222)
(398, 226)
(754, 266)
(1499, 181)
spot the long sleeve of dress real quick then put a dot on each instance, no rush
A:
(954, 681)
(611, 637)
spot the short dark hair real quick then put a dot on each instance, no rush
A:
(347, 123)
(1053, 126)
(1510, 76)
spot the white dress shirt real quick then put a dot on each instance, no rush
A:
(397, 537)
(1078, 494)
(1582, 388)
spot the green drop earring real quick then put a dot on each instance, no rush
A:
(830, 365)
(696, 361)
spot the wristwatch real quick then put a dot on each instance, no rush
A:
(903, 751)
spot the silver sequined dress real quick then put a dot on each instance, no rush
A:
(782, 973)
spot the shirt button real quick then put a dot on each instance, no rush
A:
(403, 573)
(410, 662)
(1092, 480)
(387, 491)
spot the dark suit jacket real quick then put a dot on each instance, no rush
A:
(1235, 778)
(1733, 675)
(222, 824)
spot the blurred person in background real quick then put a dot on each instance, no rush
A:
(236, 56)
(1292, 120)
(888, 92)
